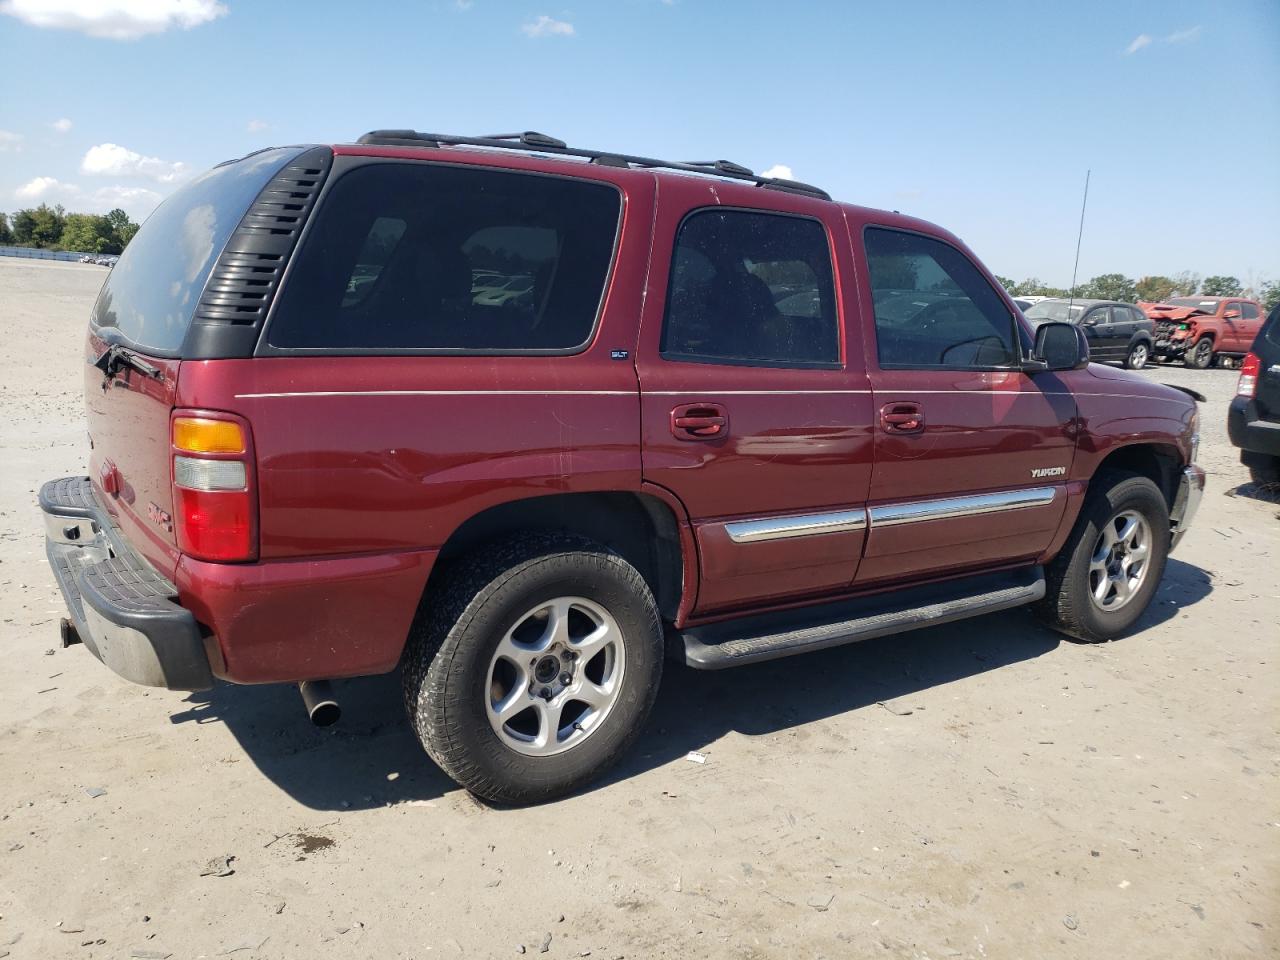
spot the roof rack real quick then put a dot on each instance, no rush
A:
(531, 140)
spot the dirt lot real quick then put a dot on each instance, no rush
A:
(983, 790)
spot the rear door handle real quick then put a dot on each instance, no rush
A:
(903, 416)
(699, 421)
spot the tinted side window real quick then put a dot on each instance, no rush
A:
(751, 288)
(1249, 311)
(428, 257)
(932, 306)
(1098, 315)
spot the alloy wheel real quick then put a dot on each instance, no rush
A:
(1120, 559)
(555, 676)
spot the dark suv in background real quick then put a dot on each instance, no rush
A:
(1117, 332)
(1253, 422)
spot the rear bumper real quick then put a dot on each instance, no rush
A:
(126, 613)
(1186, 502)
(1249, 431)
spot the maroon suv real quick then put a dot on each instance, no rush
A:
(519, 418)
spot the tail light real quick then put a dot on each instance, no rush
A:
(1249, 370)
(213, 497)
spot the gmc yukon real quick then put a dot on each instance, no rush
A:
(521, 420)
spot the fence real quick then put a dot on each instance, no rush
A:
(32, 253)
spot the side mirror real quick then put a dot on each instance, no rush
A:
(1058, 346)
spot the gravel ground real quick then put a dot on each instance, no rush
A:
(985, 789)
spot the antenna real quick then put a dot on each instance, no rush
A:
(1079, 237)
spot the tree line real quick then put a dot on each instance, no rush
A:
(1157, 289)
(52, 228)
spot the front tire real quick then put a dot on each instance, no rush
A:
(1138, 356)
(1200, 356)
(1110, 567)
(533, 666)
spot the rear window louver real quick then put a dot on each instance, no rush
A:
(244, 281)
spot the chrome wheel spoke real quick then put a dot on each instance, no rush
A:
(513, 704)
(557, 622)
(548, 738)
(1103, 589)
(594, 695)
(587, 647)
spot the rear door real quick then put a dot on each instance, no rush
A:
(971, 454)
(1249, 323)
(755, 408)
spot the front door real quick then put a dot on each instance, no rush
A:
(971, 454)
(755, 408)
(1101, 329)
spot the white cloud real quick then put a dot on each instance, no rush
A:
(10, 141)
(113, 160)
(463, 4)
(114, 19)
(62, 125)
(256, 126)
(44, 187)
(1178, 36)
(1140, 41)
(136, 201)
(779, 170)
(546, 26)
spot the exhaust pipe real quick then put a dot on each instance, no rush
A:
(322, 707)
(69, 634)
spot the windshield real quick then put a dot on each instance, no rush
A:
(1054, 310)
(1208, 306)
(151, 293)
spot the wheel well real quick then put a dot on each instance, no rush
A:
(640, 528)
(1156, 461)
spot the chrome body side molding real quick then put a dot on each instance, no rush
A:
(782, 528)
(892, 514)
(887, 515)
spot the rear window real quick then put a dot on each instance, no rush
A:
(151, 293)
(425, 257)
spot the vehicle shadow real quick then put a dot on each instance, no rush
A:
(1262, 492)
(371, 758)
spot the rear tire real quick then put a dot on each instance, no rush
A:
(1267, 473)
(1138, 356)
(1200, 356)
(1094, 591)
(508, 704)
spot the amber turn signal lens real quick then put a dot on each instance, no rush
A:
(201, 435)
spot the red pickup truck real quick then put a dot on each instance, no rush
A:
(521, 419)
(1199, 330)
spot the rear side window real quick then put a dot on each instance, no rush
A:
(429, 257)
(751, 288)
(933, 307)
(1249, 311)
(152, 292)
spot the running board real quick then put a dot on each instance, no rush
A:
(730, 643)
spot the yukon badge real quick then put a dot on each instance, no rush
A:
(1038, 472)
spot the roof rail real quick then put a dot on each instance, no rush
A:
(531, 140)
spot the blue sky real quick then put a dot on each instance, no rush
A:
(981, 117)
